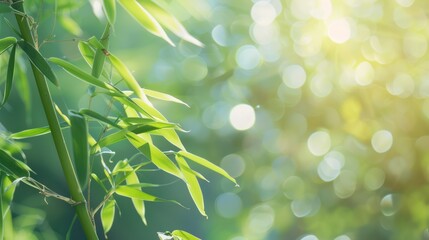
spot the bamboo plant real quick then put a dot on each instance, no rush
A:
(134, 120)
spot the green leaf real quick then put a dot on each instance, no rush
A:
(34, 132)
(192, 184)
(163, 96)
(99, 117)
(169, 21)
(132, 178)
(127, 76)
(6, 42)
(131, 192)
(107, 215)
(9, 76)
(12, 166)
(97, 179)
(79, 132)
(38, 61)
(145, 19)
(86, 51)
(207, 164)
(184, 235)
(171, 136)
(155, 155)
(75, 71)
(109, 7)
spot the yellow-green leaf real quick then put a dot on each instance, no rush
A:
(109, 7)
(192, 184)
(132, 178)
(163, 96)
(107, 215)
(184, 235)
(145, 19)
(168, 21)
(207, 164)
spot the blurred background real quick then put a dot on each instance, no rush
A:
(319, 109)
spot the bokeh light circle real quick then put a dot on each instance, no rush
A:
(242, 117)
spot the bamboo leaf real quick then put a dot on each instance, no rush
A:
(79, 132)
(107, 215)
(192, 184)
(155, 155)
(139, 206)
(169, 21)
(37, 59)
(6, 42)
(9, 76)
(163, 96)
(75, 71)
(130, 192)
(109, 7)
(99, 117)
(145, 19)
(86, 51)
(34, 132)
(97, 179)
(207, 164)
(70, 25)
(12, 166)
(127, 76)
(184, 235)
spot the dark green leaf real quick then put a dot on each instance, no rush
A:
(9, 76)
(99, 117)
(5, 8)
(79, 131)
(22, 85)
(37, 59)
(12, 166)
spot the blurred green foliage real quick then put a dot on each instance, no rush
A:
(319, 108)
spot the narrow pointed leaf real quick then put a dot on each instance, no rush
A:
(75, 71)
(145, 19)
(155, 155)
(87, 52)
(127, 76)
(184, 235)
(168, 21)
(163, 96)
(99, 117)
(12, 166)
(109, 7)
(171, 136)
(97, 179)
(38, 61)
(107, 215)
(192, 184)
(6, 42)
(34, 132)
(79, 131)
(9, 75)
(139, 206)
(207, 164)
(130, 192)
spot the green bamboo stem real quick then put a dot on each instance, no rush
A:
(60, 145)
